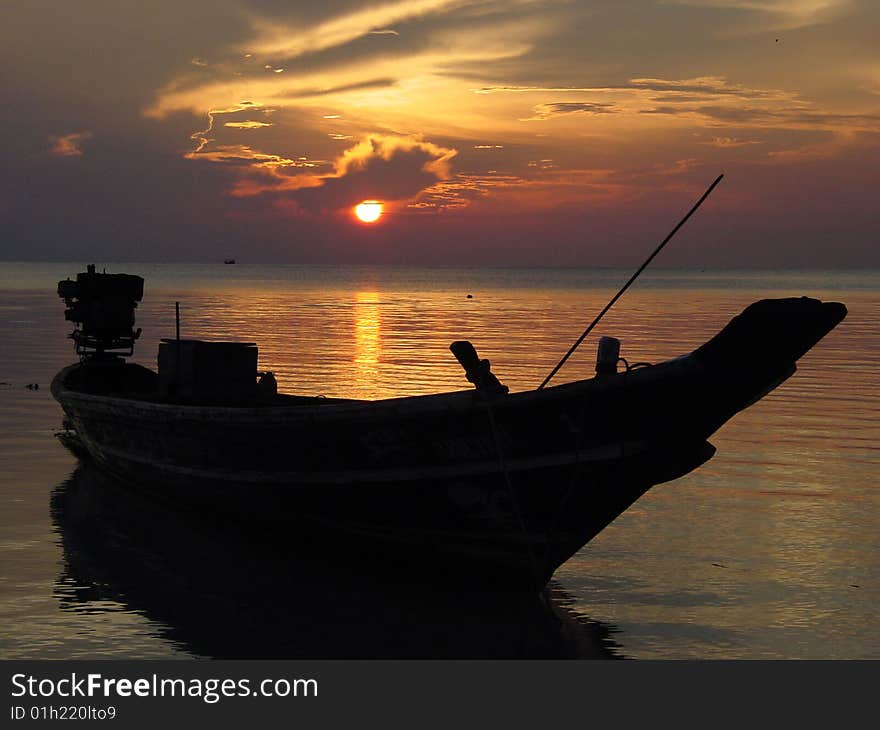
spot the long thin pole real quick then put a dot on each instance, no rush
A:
(177, 319)
(631, 280)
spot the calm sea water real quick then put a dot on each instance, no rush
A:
(770, 550)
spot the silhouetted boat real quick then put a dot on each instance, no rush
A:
(481, 485)
(228, 261)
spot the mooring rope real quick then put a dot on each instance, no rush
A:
(502, 462)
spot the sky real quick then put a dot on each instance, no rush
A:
(515, 133)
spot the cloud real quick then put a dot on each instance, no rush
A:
(704, 86)
(772, 15)
(184, 93)
(200, 136)
(707, 100)
(68, 145)
(436, 159)
(239, 155)
(701, 86)
(777, 117)
(387, 168)
(543, 187)
(730, 142)
(338, 52)
(275, 39)
(247, 124)
(461, 190)
(556, 109)
(381, 167)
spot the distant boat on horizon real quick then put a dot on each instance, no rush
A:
(228, 261)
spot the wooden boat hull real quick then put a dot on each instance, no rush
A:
(194, 580)
(496, 489)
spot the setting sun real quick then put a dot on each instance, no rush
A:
(369, 211)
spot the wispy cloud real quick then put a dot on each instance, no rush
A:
(201, 138)
(462, 190)
(556, 109)
(272, 38)
(713, 101)
(731, 142)
(781, 117)
(708, 86)
(68, 145)
(247, 124)
(240, 155)
(776, 15)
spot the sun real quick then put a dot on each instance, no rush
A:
(369, 211)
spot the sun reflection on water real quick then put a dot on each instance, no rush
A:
(367, 340)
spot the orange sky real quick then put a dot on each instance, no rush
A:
(550, 132)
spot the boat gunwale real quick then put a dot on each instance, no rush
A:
(402, 406)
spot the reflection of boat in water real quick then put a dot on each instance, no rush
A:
(485, 485)
(217, 591)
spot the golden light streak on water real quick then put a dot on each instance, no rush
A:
(367, 334)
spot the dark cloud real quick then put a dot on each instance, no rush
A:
(386, 168)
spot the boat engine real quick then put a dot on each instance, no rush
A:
(101, 306)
